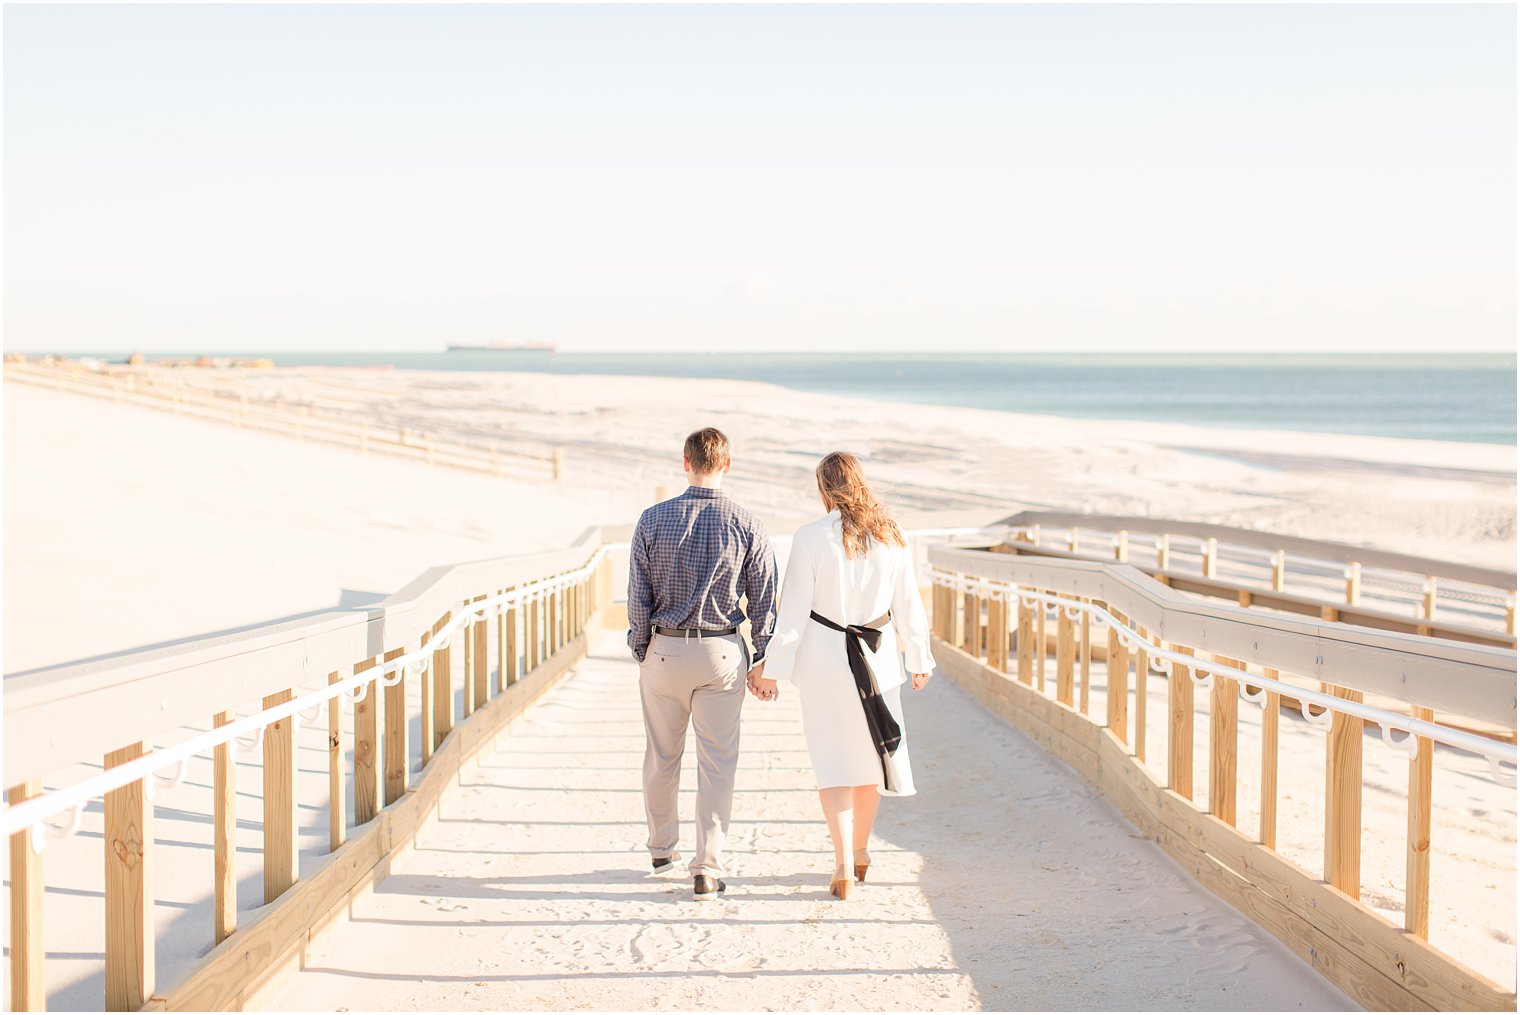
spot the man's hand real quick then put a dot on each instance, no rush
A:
(920, 680)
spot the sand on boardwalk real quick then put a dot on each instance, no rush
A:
(1006, 883)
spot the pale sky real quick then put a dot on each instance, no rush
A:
(747, 178)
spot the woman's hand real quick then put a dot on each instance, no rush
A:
(921, 680)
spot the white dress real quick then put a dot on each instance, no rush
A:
(819, 577)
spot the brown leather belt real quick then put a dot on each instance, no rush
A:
(683, 632)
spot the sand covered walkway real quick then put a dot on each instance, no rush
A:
(1008, 883)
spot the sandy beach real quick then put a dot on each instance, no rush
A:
(173, 528)
(179, 527)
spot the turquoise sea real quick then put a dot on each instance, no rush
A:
(1460, 397)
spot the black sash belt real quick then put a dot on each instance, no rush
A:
(885, 732)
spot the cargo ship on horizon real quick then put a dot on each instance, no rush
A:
(541, 347)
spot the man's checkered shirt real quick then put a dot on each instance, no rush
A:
(690, 559)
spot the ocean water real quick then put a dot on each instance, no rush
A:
(1460, 397)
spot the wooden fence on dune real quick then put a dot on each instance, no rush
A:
(165, 389)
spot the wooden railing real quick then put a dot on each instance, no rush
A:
(528, 615)
(169, 391)
(1317, 578)
(1039, 639)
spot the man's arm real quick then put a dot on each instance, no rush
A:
(760, 590)
(640, 596)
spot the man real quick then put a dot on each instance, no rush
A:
(690, 560)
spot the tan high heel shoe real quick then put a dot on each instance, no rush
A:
(839, 887)
(862, 864)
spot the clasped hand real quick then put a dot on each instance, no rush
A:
(765, 690)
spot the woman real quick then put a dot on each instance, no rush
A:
(849, 615)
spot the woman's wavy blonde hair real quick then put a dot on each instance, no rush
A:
(842, 484)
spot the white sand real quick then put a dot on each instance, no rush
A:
(1007, 883)
(171, 528)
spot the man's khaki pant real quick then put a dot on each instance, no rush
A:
(696, 681)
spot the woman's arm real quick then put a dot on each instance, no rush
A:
(909, 619)
(792, 613)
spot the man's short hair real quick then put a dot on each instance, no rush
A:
(706, 451)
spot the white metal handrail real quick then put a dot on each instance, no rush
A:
(1497, 753)
(32, 814)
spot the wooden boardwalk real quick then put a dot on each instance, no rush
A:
(1007, 883)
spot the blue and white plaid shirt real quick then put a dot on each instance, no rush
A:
(690, 560)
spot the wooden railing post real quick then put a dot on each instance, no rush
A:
(1163, 552)
(1118, 683)
(367, 749)
(1224, 743)
(511, 673)
(1179, 736)
(1066, 655)
(997, 634)
(130, 973)
(1353, 582)
(397, 760)
(1279, 569)
(27, 993)
(1041, 643)
(1210, 557)
(279, 801)
(224, 835)
(467, 645)
(481, 658)
(1270, 714)
(972, 626)
(1121, 546)
(425, 720)
(1026, 643)
(1073, 542)
(1142, 672)
(443, 687)
(1417, 865)
(1084, 646)
(1343, 799)
(535, 631)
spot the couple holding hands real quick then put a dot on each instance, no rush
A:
(847, 631)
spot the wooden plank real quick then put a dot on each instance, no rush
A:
(512, 672)
(501, 651)
(972, 625)
(279, 801)
(397, 754)
(1025, 640)
(481, 656)
(1117, 694)
(1343, 799)
(1142, 679)
(130, 972)
(535, 614)
(1179, 733)
(224, 835)
(1417, 864)
(1084, 646)
(1224, 743)
(367, 750)
(467, 647)
(1271, 713)
(1041, 644)
(27, 987)
(443, 687)
(425, 720)
(1066, 656)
